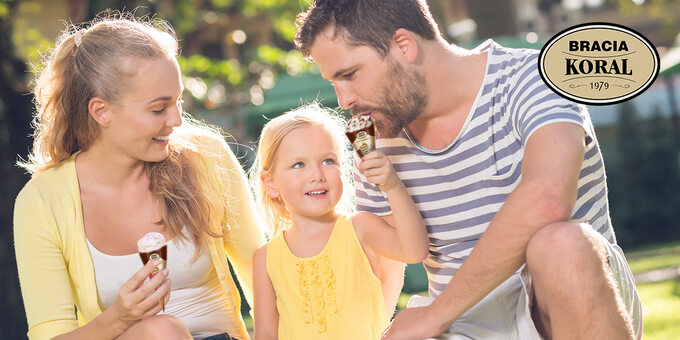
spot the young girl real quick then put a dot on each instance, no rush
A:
(318, 277)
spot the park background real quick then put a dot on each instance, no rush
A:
(240, 68)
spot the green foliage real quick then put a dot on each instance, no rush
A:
(251, 66)
(285, 27)
(257, 64)
(4, 10)
(664, 10)
(28, 40)
(221, 4)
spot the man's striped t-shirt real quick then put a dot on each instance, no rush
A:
(459, 189)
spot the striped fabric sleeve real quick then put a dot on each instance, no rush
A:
(368, 196)
(533, 105)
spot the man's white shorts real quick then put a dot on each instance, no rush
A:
(506, 312)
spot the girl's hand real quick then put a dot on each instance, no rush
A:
(379, 171)
(138, 299)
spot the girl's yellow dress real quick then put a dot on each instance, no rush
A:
(332, 295)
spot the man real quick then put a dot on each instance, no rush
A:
(507, 174)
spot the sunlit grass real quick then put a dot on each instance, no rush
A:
(656, 262)
(660, 300)
(661, 309)
(664, 256)
(403, 299)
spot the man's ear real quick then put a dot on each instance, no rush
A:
(99, 110)
(269, 186)
(406, 43)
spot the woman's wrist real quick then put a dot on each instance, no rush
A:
(109, 323)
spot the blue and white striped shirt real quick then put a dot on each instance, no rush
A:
(459, 188)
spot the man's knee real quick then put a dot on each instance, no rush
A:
(160, 327)
(562, 245)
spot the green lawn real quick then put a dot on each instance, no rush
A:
(660, 300)
(661, 309)
(663, 256)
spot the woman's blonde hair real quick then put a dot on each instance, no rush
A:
(90, 61)
(274, 210)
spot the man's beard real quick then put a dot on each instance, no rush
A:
(404, 98)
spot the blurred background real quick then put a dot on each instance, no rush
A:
(240, 68)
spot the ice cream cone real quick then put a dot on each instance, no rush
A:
(153, 247)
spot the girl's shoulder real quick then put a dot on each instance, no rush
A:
(363, 220)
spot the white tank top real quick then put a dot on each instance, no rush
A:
(196, 296)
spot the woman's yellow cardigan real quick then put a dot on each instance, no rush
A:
(55, 268)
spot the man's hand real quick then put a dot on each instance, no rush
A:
(414, 323)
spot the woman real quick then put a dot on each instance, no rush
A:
(113, 160)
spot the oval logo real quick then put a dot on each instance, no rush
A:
(598, 63)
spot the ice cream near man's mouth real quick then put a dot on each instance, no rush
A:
(361, 133)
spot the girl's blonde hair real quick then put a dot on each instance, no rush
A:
(90, 62)
(274, 210)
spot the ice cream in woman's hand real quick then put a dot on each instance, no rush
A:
(152, 246)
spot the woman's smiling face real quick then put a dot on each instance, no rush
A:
(141, 123)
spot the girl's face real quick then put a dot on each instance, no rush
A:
(307, 173)
(140, 125)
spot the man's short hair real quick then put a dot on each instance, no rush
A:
(364, 22)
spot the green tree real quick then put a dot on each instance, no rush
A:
(664, 10)
(216, 81)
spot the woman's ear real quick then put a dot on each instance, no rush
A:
(406, 43)
(99, 110)
(268, 183)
